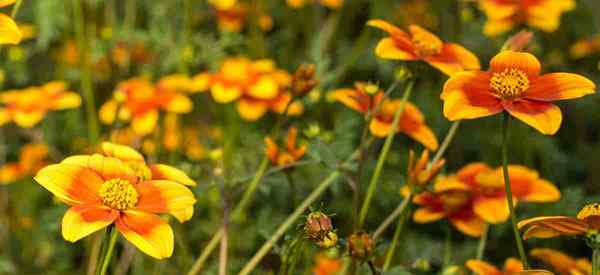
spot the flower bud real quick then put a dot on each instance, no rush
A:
(304, 79)
(361, 246)
(317, 226)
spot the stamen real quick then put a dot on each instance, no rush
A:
(510, 84)
(118, 194)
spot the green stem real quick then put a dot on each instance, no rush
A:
(16, 8)
(393, 216)
(212, 244)
(507, 190)
(94, 253)
(449, 137)
(448, 247)
(241, 207)
(482, 242)
(595, 255)
(392, 250)
(114, 233)
(383, 155)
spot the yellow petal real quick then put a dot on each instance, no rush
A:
(166, 172)
(493, 210)
(121, 152)
(426, 215)
(184, 215)
(144, 124)
(222, 94)
(251, 110)
(9, 31)
(147, 232)
(72, 184)
(180, 104)
(108, 111)
(28, 119)
(83, 220)
(482, 268)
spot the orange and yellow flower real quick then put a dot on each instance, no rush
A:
(488, 187)
(287, 155)
(479, 267)
(420, 44)
(513, 84)
(585, 47)
(232, 16)
(504, 15)
(332, 4)
(28, 106)
(103, 191)
(257, 86)
(412, 121)
(139, 101)
(325, 265)
(586, 222)
(419, 173)
(9, 31)
(32, 158)
(561, 262)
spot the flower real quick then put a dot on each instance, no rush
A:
(585, 47)
(326, 265)
(451, 199)
(488, 187)
(419, 173)
(290, 154)
(258, 86)
(561, 262)
(10, 34)
(232, 16)
(587, 222)
(420, 44)
(102, 191)
(511, 266)
(28, 106)
(364, 99)
(513, 84)
(139, 101)
(504, 15)
(32, 158)
(332, 4)
(361, 246)
(319, 229)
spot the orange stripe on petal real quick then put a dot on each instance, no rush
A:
(388, 49)
(544, 117)
(165, 172)
(82, 220)
(540, 232)
(454, 58)
(467, 95)
(147, 232)
(522, 61)
(163, 196)
(559, 86)
(552, 219)
(72, 184)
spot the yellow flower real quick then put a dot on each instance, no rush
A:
(291, 153)
(561, 262)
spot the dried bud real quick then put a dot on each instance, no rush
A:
(317, 226)
(518, 42)
(361, 246)
(419, 173)
(330, 240)
(304, 80)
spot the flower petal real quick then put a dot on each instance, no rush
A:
(387, 27)
(413, 125)
(494, 27)
(163, 196)
(541, 191)
(544, 117)
(482, 268)
(73, 184)
(352, 99)
(147, 232)
(387, 48)
(9, 31)
(223, 94)
(183, 215)
(166, 172)
(493, 210)
(105, 167)
(542, 232)
(454, 58)
(427, 215)
(467, 95)
(179, 104)
(469, 224)
(143, 124)
(522, 61)
(512, 265)
(265, 88)
(67, 100)
(380, 128)
(251, 110)
(82, 220)
(108, 111)
(28, 119)
(122, 152)
(559, 86)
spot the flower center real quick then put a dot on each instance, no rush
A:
(141, 170)
(426, 45)
(454, 201)
(509, 84)
(118, 194)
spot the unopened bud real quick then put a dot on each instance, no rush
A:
(317, 226)
(304, 79)
(361, 246)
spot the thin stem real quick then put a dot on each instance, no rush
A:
(482, 242)
(448, 247)
(212, 244)
(372, 268)
(390, 254)
(595, 255)
(94, 253)
(383, 155)
(16, 8)
(449, 137)
(507, 190)
(241, 207)
(109, 251)
(393, 216)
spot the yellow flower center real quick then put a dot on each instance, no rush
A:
(425, 45)
(510, 84)
(141, 170)
(454, 201)
(118, 194)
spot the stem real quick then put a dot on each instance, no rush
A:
(241, 207)
(393, 216)
(482, 243)
(383, 155)
(16, 8)
(94, 253)
(509, 198)
(109, 251)
(448, 247)
(595, 255)
(449, 137)
(288, 222)
(372, 268)
(212, 244)
(392, 249)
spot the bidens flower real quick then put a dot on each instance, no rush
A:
(9, 31)
(420, 44)
(504, 15)
(32, 158)
(513, 84)
(586, 223)
(287, 155)
(561, 262)
(103, 191)
(28, 106)
(364, 99)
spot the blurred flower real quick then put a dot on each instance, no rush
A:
(28, 31)
(415, 12)
(561, 262)
(223, 4)
(420, 44)
(103, 191)
(28, 106)
(449, 199)
(332, 4)
(139, 101)
(418, 173)
(186, 139)
(511, 266)
(9, 31)
(287, 155)
(505, 15)
(258, 86)
(585, 47)
(134, 160)
(361, 246)
(32, 158)
(125, 53)
(487, 185)
(365, 99)
(303, 80)
(326, 265)
(513, 84)
(587, 223)
(232, 16)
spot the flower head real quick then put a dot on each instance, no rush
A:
(561, 262)
(104, 190)
(10, 34)
(364, 99)
(513, 84)
(419, 173)
(287, 155)
(28, 106)
(32, 158)
(420, 44)
(511, 266)
(326, 265)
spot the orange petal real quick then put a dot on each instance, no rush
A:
(352, 98)
(28, 119)
(108, 111)
(494, 27)
(4, 116)
(467, 95)
(559, 86)
(9, 31)
(223, 94)
(387, 27)
(179, 104)
(454, 58)
(166, 172)
(380, 128)
(544, 117)
(574, 223)
(67, 100)
(497, 10)
(541, 191)
(522, 61)
(426, 215)
(271, 149)
(82, 220)
(559, 261)
(251, 110)
(147, 232)
(536, 231)
(512, 265)
(493, 210)
(105, 167)
(482, 268)
(163, 196)
(388, 49)
(469, 172)
(143, 124)
(72, 184)
(423, 135)
(470, 225)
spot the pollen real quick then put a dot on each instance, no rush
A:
(426, 45)
(118, 194)
(509, 84)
